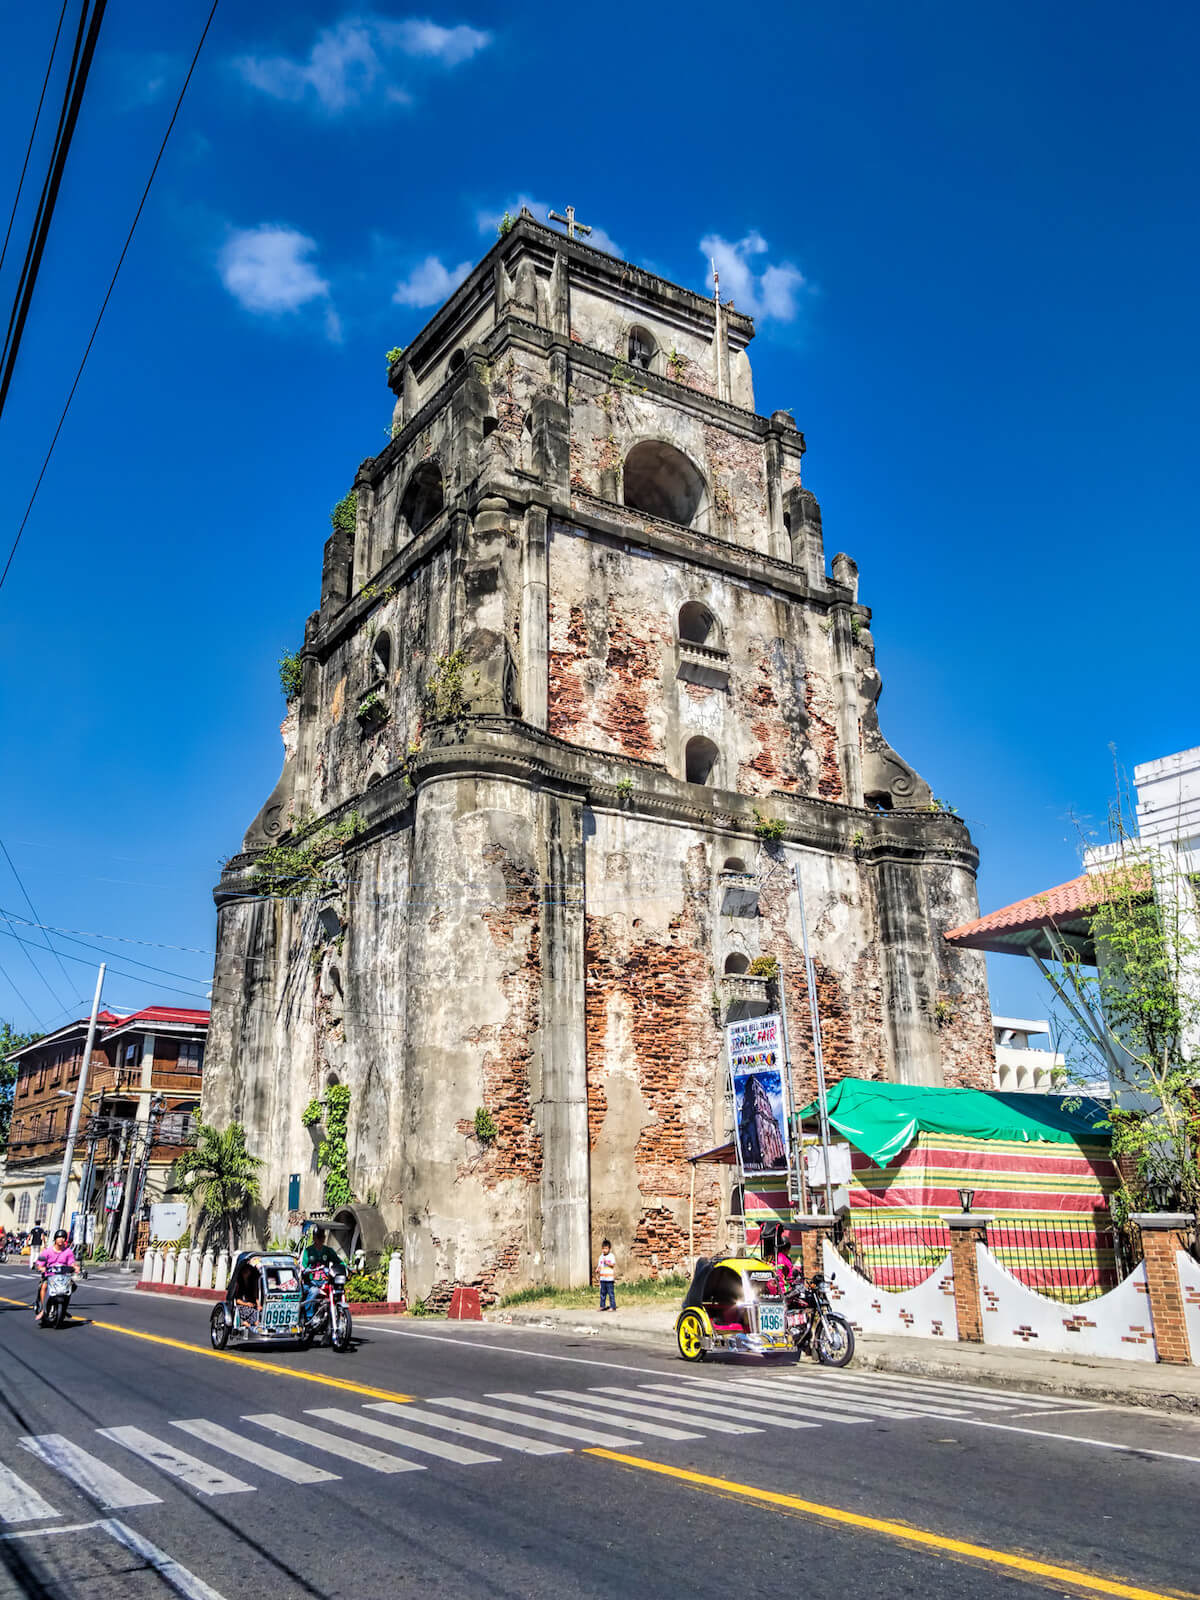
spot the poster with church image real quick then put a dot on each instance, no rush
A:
(756, 1070)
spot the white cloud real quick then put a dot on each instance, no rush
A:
(268, 270)
(489, 221)
(429, 283)
(356, 60)
(772, 292)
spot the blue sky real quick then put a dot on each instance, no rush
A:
(969, 235)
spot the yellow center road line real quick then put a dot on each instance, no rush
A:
(239, 1361)
(1087, 1581)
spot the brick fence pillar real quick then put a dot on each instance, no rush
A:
(966, 1231)
(811, 1230)
(1164, 1232)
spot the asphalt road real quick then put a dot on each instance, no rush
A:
(468, 1460)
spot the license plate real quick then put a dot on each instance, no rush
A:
(770, 1319)
(280, 1316)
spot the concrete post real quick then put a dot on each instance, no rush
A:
(193, 1272)
(206, 1270)
(395, 1283)
(148, 1261)
(1163, 1233)
(156, 1271)
(813, 1230)
(966, 1231)
(221, 1279)
(169, 1267)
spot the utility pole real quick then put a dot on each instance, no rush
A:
(64, 1177)
(818, 1054)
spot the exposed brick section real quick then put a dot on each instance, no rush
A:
(818, 703)
(566, 693)
(635, 675)
(968, 1308)
(1166, 1295)
(660, 1242)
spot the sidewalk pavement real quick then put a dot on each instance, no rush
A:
(1158, 1385)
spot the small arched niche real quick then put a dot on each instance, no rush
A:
(456, 360)
(422, 499)
(736, 964)
(734, 864)
(663, 483)
(381, 655)
(697, 625)
(641, 348)
(700, 758)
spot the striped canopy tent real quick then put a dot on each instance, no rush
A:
(1038, 1165)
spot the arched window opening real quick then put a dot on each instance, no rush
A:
(381, 655)
(737, 1201)
(455, 361)
(734, 864)
(422, 499)
(700, 761)
(697, 625)
(641, 348)
(663, 483)
(490, 424)
(736, 964)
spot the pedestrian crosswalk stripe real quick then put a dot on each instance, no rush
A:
(900, 1402)
(693, 1398)
(713, 1417)
(763, 1401)
(648, 1406)
(442, 1448)
(978, 1393)
(347, 1449)
(564, 1430)
(258, 1455)
(562, 1407)
(471, 1430)
(188, 1469)
(890, 1394)
(102, 1484)
(831, 1398)
(19, 1502)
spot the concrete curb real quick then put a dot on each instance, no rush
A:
(357, 1308)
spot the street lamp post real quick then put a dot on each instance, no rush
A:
(64, 1177)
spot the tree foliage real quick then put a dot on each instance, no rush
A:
(10, 1040)
(220, 1176)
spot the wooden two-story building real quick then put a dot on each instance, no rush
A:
(142, 1097)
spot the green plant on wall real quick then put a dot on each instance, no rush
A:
(624, 788)
(506, 225)
(312, 1113)
(291, 674)
(333, 1152)
(763, 967)
(394, 355)
(769, 829)
(445, 698)
(345, 514)
(486, 1130)
(301, 863)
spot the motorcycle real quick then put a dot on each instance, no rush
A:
(60, 1286)
(330, 1320)
(815, 1328)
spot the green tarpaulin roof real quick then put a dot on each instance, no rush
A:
(882, 1119)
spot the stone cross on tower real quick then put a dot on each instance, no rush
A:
(569, 222)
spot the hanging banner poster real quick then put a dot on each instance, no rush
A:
(756, 1063)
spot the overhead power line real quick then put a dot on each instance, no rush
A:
(32, 135)
(86, 37)
(33, 911)
(107, 296)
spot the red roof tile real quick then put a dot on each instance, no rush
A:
(1060, 907)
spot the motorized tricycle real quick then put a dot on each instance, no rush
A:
(734, 1305)
(262, 1301)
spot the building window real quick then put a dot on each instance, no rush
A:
(663, 483)
(133, 1053)
(381, 655)
(423, 498)
(177, 1127)
(191, 1055)
(697, 625)
(641, 348)
(700, 761)
(456, 360)
(736, 964)
(23, 1211)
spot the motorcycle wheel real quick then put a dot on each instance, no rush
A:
(340, 1329)
(52, 1317)
(689, 1335)
(306, 1336)
(218, 1328)
(834, 1341)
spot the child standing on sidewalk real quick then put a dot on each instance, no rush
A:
(606, 1271)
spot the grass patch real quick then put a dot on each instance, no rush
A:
(667, 1290)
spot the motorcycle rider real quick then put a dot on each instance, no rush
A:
(58, 1257)
(314, 1256)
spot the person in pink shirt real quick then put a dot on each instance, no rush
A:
(58, 1257)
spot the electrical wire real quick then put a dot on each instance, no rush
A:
(86, 38)
(32, 134)
(107, 296)
(116, 971)
(33, 909)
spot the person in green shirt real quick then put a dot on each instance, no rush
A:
(314, 1255)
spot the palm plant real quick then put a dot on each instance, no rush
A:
(221, 1174)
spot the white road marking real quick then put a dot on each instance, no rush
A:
(824, 1407)
(564, 1430)
(713, 1416)
(1072, 1438)
(259, 1455)
(101, 1483)
(890, 1394)
(415, 1441)
(833, 1398)
(188, 1469)
(347, 1449)
(941, 1386)
(184, 1583)
(691, 1398)
(648, 1407)
(470, 1430)
(655, 1430)
(19, 1502)
(513, 1350)
(1059, 1411)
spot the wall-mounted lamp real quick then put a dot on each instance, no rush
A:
(965, 1196)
